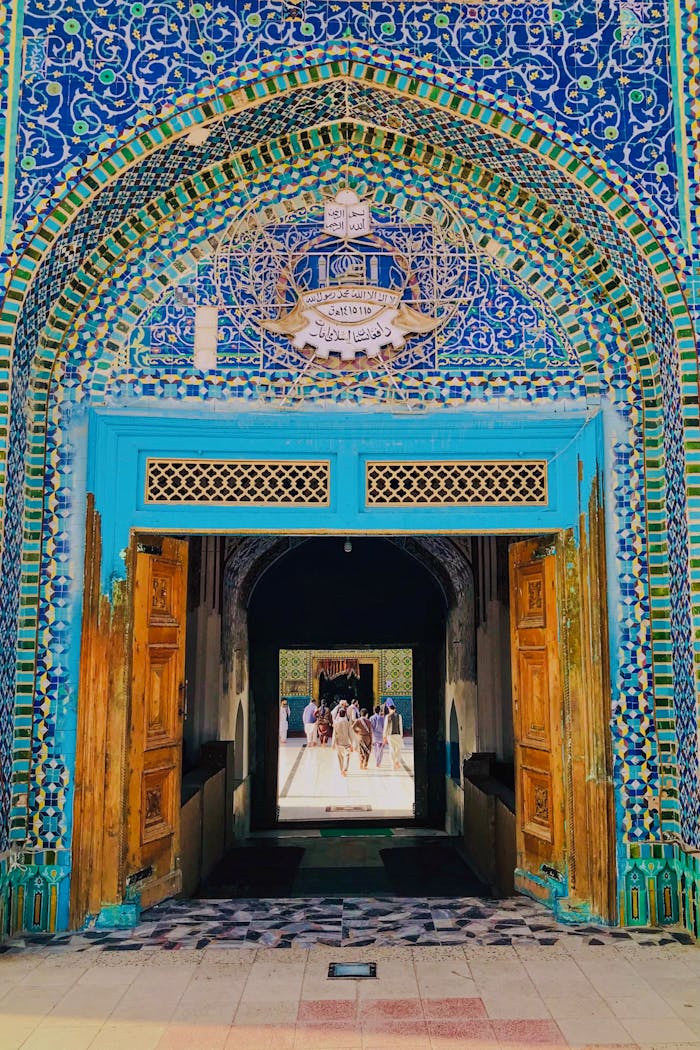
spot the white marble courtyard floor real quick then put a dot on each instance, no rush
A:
(310, 786)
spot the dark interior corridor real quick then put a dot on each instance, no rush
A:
(344, 862)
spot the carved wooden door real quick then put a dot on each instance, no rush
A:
(537, 711)
(154, 754)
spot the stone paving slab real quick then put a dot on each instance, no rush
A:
(580, 992)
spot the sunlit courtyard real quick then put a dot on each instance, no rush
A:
(310, 785)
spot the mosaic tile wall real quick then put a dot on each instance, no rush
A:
(500, 329)
(599, 70)
(79, 389)
(76, 386)
(536, 105)
(395, 670)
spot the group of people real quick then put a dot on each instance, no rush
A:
(347, 727)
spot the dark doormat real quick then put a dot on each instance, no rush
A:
(429, 870)
(253, 871)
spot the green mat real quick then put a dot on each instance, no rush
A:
(331, 833)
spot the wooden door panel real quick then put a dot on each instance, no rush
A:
(537, 710)
(534, 700)
(164, 594)
(162, 697)
(531, 609)
(158, 804)
(154, 753)
(536, 793)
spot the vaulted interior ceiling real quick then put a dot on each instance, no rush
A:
(248, 559)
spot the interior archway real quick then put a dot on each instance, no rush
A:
(321, 596)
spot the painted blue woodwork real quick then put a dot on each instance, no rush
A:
(119, 445)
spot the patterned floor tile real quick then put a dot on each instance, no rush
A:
(372, 922)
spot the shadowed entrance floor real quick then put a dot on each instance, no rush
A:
(342, 863)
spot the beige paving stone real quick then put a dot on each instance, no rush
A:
(124, 960)
(668, 1046)
(659, 1029)
(557, 968)
(194, 1037)
(59, 971)
(125, 1036)
(394, 1035)
(174, 960)
(447, 984)
(489, 972)
(260, 1037)
(383, 953)
(29, 999)
(543, 952)
(640, 1006)
(396, 979)
(611, 952)
(226, 960)
(694, 1027)
(620, 986)
(514, 986)
(490, 953)
(277, 957)
(15, 1032)
(391, 1043)
(594, 1031)
(86, 1001)
(570, 1006)
(332, 1035)
(429, 955)
(168, 976)
(257, 1012)
(269, 983)
(98, 976)
(609, 963)
(141, 1005)
(14, 968)
(218, 1012)
(685, 989)
(68, 1037)
(316, 985)
(512, 1007)
(550, 988)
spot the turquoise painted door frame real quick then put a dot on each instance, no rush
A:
(120, 444)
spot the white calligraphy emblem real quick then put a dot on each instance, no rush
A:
(349, 314)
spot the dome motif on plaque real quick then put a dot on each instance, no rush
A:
(347, 283)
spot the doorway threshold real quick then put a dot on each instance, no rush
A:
(331, 833)
(294, 831)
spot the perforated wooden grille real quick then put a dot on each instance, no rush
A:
(300, 483)
(465, 483)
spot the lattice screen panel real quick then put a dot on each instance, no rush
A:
(463, 483)
(266, 482)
